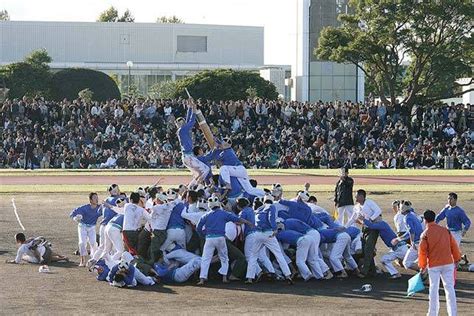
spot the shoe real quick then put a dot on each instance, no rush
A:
(249, 281)
(233, 278)
(342, 275)
(328, 275)
(225, 280)
(201, 282)
(91, 263)
(360, 275)
(289, 280)
(395, 276)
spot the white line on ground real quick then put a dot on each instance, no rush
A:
(16, 214)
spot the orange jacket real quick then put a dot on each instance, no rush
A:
(437, 247)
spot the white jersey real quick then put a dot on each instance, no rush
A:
(193, 217)
(160, 215)
(369, 210)
(316, 209)
(400, 225)
(25, 253)
(279, 207)
(232, 230)
(133, 216)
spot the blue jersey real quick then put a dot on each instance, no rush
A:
(228, 157)
(117, 221)
(265, 219)
(128, 279)
(298, 210)
(455, 217)
(386, 232)
(248, 214)
(176, 221)
(89, 214)
(353, 232)
(289, 237)
(327, 219)
(236, 188)
(215, 221)
(184, 133)
(328, 235)
(102, 276)
(109, 213)
(297, 225)
(164, 272)
(414, 226)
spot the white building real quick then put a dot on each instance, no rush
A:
(158, 52)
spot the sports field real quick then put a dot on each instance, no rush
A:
(44, 199)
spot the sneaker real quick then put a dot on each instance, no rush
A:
(342, 275)
(395, 276)
(289, 280)
(249, 281)
(328, 275)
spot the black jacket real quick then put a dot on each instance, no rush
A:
(343, 192)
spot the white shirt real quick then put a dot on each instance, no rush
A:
(133, 215)
(400, 225)
(25, 253)
(192, 214)
(369, 210)
(279, 207)
(316, 208)
(232, 230)
(160, 215)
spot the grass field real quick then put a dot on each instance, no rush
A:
(252, 172)
(72, 290)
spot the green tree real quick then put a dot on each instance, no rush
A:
(171, 19)
(380, 37)
(4, 16)
(86, 95)
(163, 90)
(127, 17)
(109, 15)
(225, 84)
(39, 58)
(68, 83)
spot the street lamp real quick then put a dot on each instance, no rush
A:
(129, 65)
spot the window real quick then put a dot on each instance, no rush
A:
(192, 44)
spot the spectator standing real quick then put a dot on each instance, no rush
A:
(343, 199)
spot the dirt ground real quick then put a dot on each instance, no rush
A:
(70, 289)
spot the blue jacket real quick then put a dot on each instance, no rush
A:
(265, 219)
(108, 213)
(105, 270)
(386, 232)
(215, 221)
(184, 133)
(248, 214)
(298, 210)
(128, 277)
(327, 219)
(414, 226)
(89, 214)
(117, 221)
(456, 218)
(297, 225)
(228, 157)
(176, 221)
(289, 237)
(164, 272)
(353, 232)
(328, 235)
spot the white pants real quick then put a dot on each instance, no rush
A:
(197, 168)
(346, 209)
(411, 258)
(86, 234)
(241, 174)
(338, 250)
(446, 272)
(181, 255)
(176, 235)
(265, 239)
(142, 279)
(457, 236)
(317, 252)
(356, 244)
(217, 243)
(388, 258)
(182, 274)
(113, 243)
(262, 255)
(303, 246)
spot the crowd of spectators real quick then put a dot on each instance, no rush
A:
(142, 134)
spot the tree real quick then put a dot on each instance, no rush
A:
(163, 90)
(68, 83)
(30, 77)
(432, 38)
(109, 15)
(171, 19)
(86, 95)
(225, 84)
(4, 16)
(126, 17)
(39, 58)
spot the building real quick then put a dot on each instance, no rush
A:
(314, 79)
(150, 52)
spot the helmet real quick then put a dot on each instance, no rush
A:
(202, 204)
(213, 202)
(120, 202)
(171, 195)
(268, 198)
(227, 141)
(304, 196)
(123, 264)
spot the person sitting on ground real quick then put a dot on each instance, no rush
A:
(35, 250)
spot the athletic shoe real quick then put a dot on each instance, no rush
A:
(342, 275)
(328, 275)
(395, 276)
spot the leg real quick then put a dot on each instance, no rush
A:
(447, 277)
(115, 237)
(82, 234)
(411, 258)
(336, 254)
(223, 255)
(225, 174)
(245, 183)
(207, 253)
(257, 245)
(249, 242)
(272, 244)
(183, 273)
(351, 263)
(91, 236)
(238, 258)
(302, 250)
(387, 262)
(370, 238)
(434, 275)
(142, 279)
(340, 215)
(100, 249)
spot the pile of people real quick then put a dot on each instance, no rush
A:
(38, 133)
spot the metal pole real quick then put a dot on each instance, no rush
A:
(129, 68)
